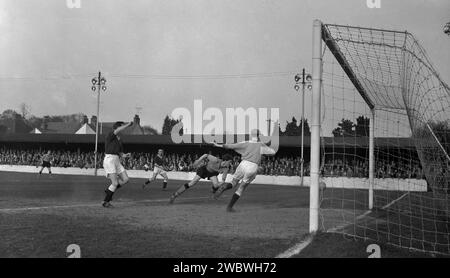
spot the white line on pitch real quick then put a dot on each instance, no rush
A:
(296, 249)
(396, 200)
(341, 227)
(94, 205)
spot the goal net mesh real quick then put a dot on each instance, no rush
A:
(385, 79)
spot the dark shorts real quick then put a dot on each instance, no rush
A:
(46, 164)
(203, 173)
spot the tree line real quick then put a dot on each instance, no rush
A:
(345, 128)
(25, 122)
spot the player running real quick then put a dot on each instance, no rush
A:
(160, 167)
(250, 152)
(46, 162)
(210, 169)
(111, 163)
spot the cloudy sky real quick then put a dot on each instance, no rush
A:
(161, 55)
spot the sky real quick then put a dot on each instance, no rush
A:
(161, 55)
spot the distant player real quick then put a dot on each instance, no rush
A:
(46, 162)
(251, 152)
(111, 163)
(209, 167)
(160, 168)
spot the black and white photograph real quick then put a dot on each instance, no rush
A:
(250, 132)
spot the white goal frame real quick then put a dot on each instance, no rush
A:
(320, 35)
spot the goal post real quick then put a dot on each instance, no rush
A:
(380, 139)
(319, 34)
(371, 156)
(315, 128)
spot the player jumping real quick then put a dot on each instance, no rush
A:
(159, 168)
(211, 168)
(111, 163)
(250, 152)
(46, 162)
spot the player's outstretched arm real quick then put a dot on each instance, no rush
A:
(199, 161)
(235, 146)
(217, 145)
(125, 155)
(122, 128)
(266, 150)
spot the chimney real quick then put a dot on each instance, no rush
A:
(85, 119)
(45, 122)
(136, 120)
(94, 121)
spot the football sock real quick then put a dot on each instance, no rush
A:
(181, 190)
(233, 200)
(109, 195)
(227, 186)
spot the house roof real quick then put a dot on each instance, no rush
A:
(106, 127)
(61, 127)
(85, 129)
(36, 131)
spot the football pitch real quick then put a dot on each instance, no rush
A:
(40, 216)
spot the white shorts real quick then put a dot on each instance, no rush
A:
(112, 165)
(159, 171)
(246, 171)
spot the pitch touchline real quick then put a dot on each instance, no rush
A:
(93, 205)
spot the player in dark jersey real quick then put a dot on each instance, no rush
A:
(46, 162)
(209, 167)
(160, 168)
(111, 163)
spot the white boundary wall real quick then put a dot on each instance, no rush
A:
(340, 182)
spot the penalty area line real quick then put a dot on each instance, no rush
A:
(92, 204)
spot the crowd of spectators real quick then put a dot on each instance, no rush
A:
(401, 169)
(274, 165)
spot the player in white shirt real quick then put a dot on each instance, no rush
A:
(251, 152)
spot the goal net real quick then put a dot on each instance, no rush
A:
(384, 139)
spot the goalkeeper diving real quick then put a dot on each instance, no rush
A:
(208, 167)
